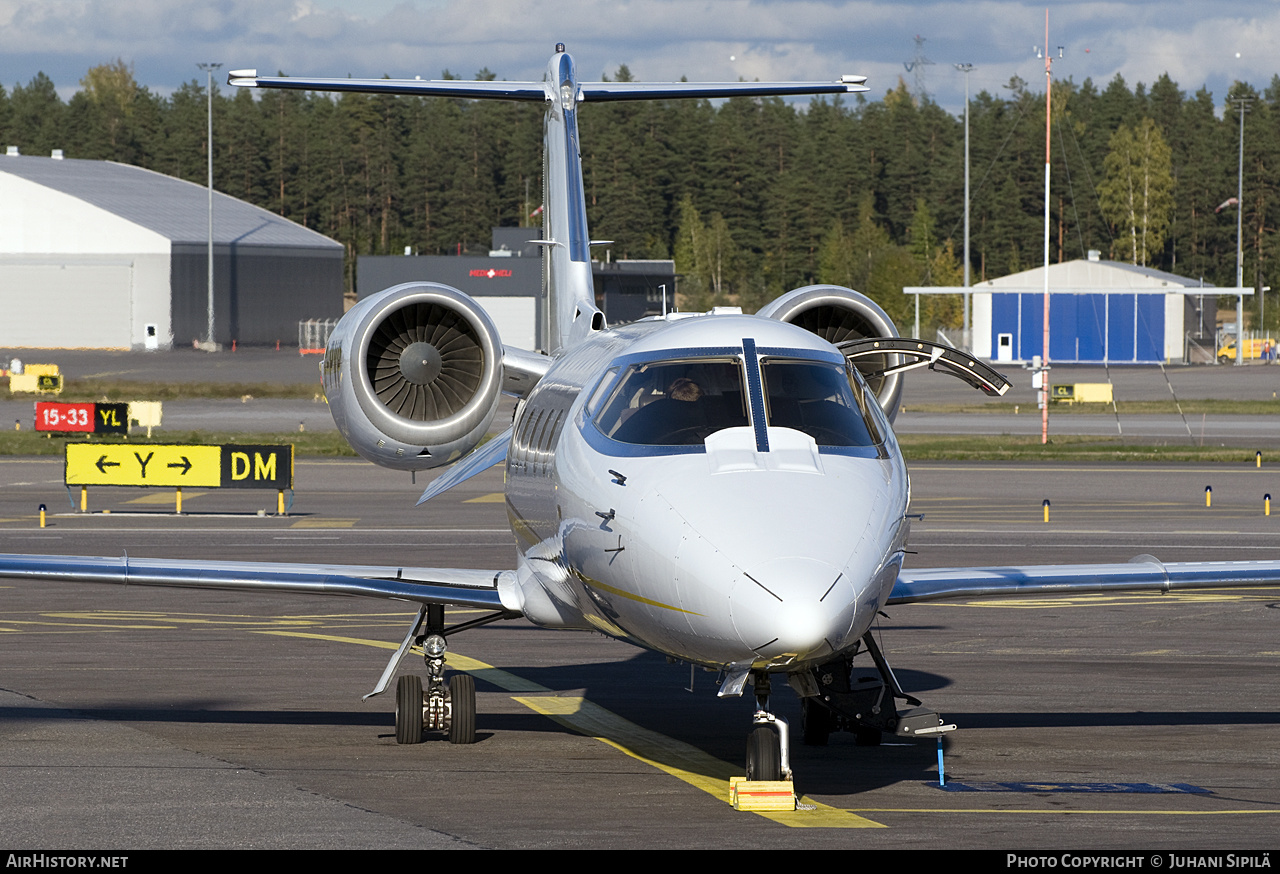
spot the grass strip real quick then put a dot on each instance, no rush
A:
(915, 447)
(1007, 447)
(117, 390)
(320, 443)
(1211, 406)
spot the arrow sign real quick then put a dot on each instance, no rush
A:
(151, 464)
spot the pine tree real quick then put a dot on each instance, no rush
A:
(37, 117)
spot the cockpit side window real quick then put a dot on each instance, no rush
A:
(675, 403)
(819, 399)
(597, 396)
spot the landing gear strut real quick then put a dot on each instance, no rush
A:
(768, 745)
(864, 705)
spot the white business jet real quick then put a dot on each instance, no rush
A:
(722, 488)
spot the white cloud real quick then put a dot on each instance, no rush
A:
(1194, 42)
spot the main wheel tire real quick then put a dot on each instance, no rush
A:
(816, 722)
(409, 709)
(462, 707)
(764, 755)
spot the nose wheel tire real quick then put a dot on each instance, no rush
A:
(462, 700)
(764, 755)
(409, 709)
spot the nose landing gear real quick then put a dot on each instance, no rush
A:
(768, 745)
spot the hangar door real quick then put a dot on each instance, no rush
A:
(1114, 327)
(58, 306)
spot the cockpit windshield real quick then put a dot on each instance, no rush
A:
(820, 399)
(682, 401)
(675, 403)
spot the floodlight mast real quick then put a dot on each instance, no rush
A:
(209, 68)
(1242, 106)
(967, 339)
(1044, 351)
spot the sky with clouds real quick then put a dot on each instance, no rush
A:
(1199, 44)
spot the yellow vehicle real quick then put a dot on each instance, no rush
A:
(1252, 348)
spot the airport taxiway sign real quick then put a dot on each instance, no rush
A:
(151, 464)
(173, 465)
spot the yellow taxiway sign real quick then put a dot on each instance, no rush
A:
(174, 465)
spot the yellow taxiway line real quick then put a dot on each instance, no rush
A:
(681, 760)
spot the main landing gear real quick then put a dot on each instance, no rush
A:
(447, 707)
(865, 705)
(438, 706)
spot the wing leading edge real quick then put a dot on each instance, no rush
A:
(1144, 573)
(541, 92)
(460, 587)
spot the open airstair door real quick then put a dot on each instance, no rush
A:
(911, 354)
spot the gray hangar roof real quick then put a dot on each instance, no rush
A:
(170, 207)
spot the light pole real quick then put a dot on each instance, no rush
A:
(209, 69)
(1044, 351)
(966, 69)
(1242, 106)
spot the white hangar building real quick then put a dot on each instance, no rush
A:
(95, 254)
(1099, 312)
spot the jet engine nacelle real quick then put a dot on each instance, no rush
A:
(837, 314)
(413, 375)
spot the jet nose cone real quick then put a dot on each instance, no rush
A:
(793, 609)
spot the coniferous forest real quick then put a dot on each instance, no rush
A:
(751, 197)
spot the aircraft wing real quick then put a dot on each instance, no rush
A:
(459, 587)
(1144, 573)
(600, 91)
(540, 92)
(534, 91)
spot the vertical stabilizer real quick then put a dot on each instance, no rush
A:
(571, 307)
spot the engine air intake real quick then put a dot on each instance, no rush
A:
(425, 361)
(413, 375)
